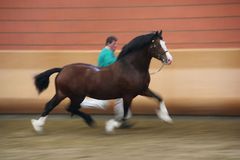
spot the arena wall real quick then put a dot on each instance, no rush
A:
(77, 25)
(204, 37)
(199, 82)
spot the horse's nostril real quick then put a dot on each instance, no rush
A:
(169, 61)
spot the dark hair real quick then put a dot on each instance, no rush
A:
(110, 39)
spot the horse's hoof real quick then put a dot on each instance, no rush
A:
(126, 125)
(164, 116)
(91, 123)
(36, 126)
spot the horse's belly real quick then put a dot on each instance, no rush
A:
(103, 96)
(100, 92)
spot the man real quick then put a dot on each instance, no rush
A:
(106, 58)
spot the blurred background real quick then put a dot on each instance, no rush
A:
(203, 37)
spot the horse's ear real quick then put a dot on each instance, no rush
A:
(160, 34)
(157, 33)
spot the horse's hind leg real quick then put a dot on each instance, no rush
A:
(74, 107)
(38, 124)
(162, 112)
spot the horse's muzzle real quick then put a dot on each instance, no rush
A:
(169, 58)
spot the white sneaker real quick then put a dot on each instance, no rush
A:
(111, 125)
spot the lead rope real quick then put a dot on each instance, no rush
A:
(159, 69)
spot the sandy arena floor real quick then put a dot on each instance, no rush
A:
(65, 138)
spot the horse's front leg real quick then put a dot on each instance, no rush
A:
(162, 112)
(126, 108)
(120, 123)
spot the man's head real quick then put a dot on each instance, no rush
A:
(111, 42)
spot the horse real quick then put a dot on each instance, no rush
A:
(127, 78)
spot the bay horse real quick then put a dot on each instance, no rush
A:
(127, 78)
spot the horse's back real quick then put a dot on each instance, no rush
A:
(79, 68)
(83, 79)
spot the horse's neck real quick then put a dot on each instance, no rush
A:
(140, 60)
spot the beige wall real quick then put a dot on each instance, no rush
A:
(200, 81)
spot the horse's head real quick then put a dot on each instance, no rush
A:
(158, 49)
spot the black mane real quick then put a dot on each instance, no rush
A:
(136, 43)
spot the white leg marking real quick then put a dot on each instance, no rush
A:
(38, 124)
(162, 113)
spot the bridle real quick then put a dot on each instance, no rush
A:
(161, 67)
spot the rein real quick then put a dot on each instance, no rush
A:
(159, 69)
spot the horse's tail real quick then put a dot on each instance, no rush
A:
(41, 80)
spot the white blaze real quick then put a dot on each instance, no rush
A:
(164, 47)
(163, 44)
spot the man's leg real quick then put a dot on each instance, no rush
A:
(94, 103)
(119, 111)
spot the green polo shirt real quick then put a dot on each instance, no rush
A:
(106, 57)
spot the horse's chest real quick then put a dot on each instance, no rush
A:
(143, 83)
